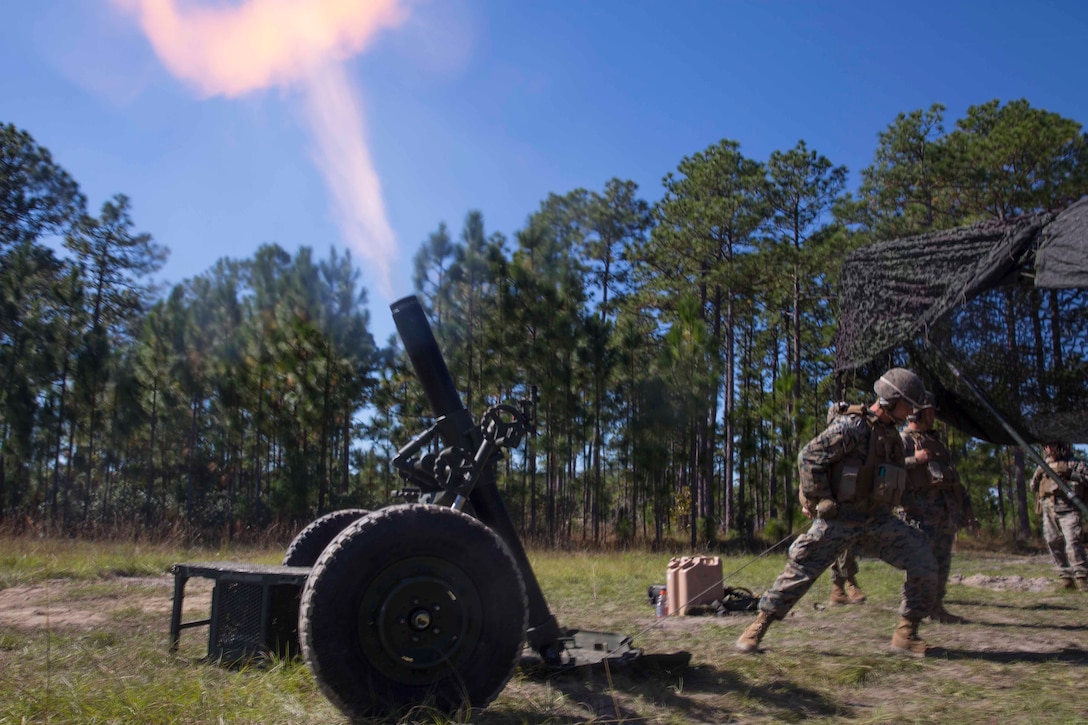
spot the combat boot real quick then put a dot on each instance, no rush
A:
(750, 639)
(1082, 584)
(906, 641)
(853, 591)
(838, 595)
(1067, 583)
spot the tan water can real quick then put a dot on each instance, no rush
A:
(693, 580)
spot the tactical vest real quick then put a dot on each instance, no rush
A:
(1070, 472)
(879, 479)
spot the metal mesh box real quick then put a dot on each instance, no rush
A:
(254, 608)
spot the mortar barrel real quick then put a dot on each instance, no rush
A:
(432, 373)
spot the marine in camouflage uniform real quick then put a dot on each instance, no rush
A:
(1061, 519)
(933, 500)
(851, 476)
(844, 572)
(844, 580)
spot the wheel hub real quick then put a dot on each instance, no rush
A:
(421, 619)
(417, 616)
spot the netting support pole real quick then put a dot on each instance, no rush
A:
(1009, 428)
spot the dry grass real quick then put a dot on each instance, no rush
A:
(1022, 658)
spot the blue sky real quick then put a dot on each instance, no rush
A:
(493, 104)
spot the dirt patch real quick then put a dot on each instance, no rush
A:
(1004, 583)
(87, 605)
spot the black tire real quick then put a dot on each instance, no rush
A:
(413, 605)
(312, 540)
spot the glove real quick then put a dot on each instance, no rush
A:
(827, 508)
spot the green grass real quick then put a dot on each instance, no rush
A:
(27, 560)
(87, 679)
(1018, 661)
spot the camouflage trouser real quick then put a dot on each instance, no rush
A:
(845, 567)
(936, 522)
(880, 534)
(1062, 531)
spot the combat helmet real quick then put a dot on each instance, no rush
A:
(900, 384)
(929, 402)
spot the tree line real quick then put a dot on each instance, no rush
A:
(682, 349)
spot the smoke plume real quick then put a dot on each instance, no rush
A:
(230, 49)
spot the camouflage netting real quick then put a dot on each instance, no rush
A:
(1005, 302)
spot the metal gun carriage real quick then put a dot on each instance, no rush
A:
(432, 603)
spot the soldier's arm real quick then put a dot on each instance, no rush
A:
(1078, 471)
(1079, 475)
(915, 456)
(909, 451)
(1035, 479)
